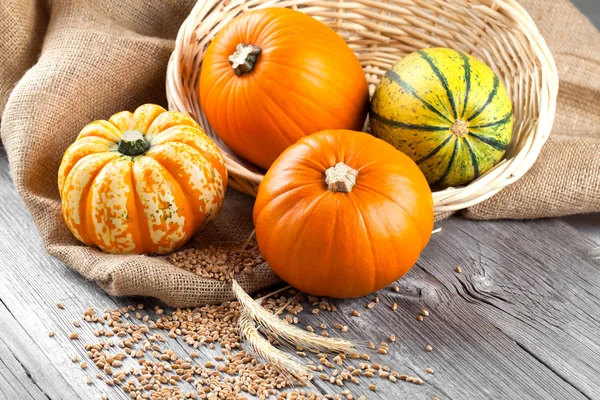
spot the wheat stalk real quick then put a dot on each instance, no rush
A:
(265, 351)
(271, 294)
(285, 331)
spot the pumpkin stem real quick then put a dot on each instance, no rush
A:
(459, 128)
(341, 178)
(133, 143)
(244, 58)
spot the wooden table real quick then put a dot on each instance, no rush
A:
(522, 321)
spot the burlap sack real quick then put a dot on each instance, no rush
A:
(102, 56)
(566, 177)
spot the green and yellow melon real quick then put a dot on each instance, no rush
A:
(446, 110)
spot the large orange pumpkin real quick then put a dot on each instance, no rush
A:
(141, 182)
(342, 214)
(272, 76)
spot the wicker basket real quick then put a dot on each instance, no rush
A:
(498, 32)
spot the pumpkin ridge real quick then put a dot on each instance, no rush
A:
(187, 205)
(398, 124)
(394, 77)
(488, 101)
(308, 72)
(306, 221)
(148, 245)
(443, 81)
(87, 204)
(474, 161)
(74, 148)
(373, 283)
(434, 151)
(268, 111)
(449, 166)
(500, 122)
(305, 98)
(205, 166)
(216, 84)
(142, 111)
(467, 68)
(85, 207)
(490, 141)
(99, 128)
(404, 210)
(307, 162)
(271, 36)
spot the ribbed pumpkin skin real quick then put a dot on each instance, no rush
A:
(305, 80)
(418, 101)
(151, 203)
(342, 244)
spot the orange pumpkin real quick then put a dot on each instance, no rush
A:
(272, 76)
(141, 183)
(342, 214)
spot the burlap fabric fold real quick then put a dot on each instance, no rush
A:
(68, 62)
(566, 177)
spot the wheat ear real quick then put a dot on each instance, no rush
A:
(285, 331)
(265, 351)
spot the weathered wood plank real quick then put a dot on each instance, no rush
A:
(23, 366)
(536, 282)
(471, 358)
(588, 225)
(15, 381)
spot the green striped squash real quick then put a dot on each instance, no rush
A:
(448, 111)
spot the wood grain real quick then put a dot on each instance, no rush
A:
(520, 321)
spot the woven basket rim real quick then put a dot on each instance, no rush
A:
(508, 171)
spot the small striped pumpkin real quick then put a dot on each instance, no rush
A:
(446, 110)
(142, 182)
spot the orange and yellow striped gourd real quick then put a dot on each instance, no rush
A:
(142, 182)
